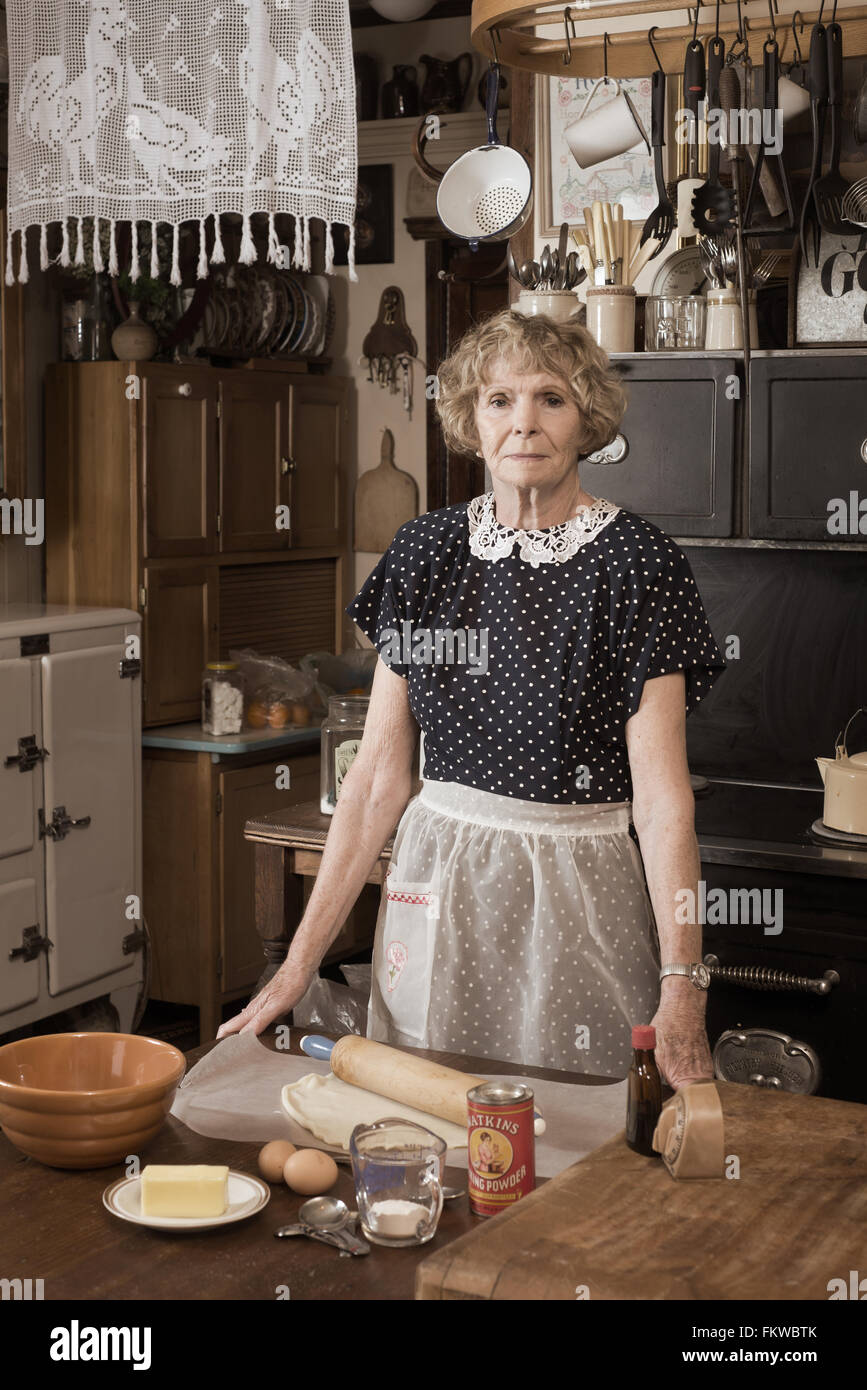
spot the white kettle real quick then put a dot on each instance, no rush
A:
(845, 782)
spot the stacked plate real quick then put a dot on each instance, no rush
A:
(259, 311)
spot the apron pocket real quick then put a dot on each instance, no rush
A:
(405, 952)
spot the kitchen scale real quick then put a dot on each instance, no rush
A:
(681, 273)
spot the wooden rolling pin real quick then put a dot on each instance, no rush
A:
(427, 1086)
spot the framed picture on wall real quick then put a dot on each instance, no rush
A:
(374, 218)
(564, 189)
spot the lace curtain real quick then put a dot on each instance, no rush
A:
(178, 110)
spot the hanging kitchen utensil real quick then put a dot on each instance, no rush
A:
(693, 93)
(660, 224)
(818, 83)
(486, 195)
(770, 192)
(859, 115)
(854, 205)
(730, 101)
(830, 189)
(712, 204)
(767, 148)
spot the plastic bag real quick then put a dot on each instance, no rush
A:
(275, 691)
(348, 674)
(333, 1007)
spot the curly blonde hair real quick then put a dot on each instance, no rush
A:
(533, 343)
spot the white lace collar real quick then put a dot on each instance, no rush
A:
(489, 540)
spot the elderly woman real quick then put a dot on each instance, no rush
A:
(549, 646)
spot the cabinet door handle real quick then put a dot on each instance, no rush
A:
(864, 450)
(185, 389)
(287, 465)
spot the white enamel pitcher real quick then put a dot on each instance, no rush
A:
(845, 780)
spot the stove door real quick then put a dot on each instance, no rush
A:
(90, 723)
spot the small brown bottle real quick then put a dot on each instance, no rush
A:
(644, 1097)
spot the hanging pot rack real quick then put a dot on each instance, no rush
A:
(505, 32)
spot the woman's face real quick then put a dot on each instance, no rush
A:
(530, 429)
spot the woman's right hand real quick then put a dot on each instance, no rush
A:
(282, 993)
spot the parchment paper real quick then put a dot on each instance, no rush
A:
(234, 1093)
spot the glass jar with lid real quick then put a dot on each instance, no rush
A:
(222, 698)
(341, 735)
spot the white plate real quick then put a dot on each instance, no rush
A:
(247, 1195)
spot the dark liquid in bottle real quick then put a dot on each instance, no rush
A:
(644, 1102)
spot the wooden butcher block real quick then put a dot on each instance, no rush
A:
(618, 1225)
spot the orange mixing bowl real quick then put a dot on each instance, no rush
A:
(86, 1100)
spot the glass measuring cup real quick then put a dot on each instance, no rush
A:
(398, 1169)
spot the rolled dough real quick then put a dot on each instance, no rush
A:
(331, 1108)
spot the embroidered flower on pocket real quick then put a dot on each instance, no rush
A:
(396, 956)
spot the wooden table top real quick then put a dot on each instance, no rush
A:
(301, 826)
(55, 1227)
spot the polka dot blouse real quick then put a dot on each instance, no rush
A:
(533, 699)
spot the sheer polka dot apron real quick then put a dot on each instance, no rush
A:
(514, 930)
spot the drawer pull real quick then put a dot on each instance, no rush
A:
(287, 465)
(185, 389)
(761, 977)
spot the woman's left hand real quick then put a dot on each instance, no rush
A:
(682, 1051)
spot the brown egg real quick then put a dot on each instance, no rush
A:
(257, 715)
(310, 1172)
(278, 715)
(272, 1159)
(299, 714)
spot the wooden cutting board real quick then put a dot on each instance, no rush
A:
(385, 497)
(618, 1225)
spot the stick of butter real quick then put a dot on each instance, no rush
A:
(184, 1189)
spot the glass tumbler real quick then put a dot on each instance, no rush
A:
(674, 323)
(398, 1169)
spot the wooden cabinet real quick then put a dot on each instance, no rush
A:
(808, 446)
(255, 469)
(681, 427)
(179, 460)
(167, 491)
(317, 428)
(199, 869)
(180, 636)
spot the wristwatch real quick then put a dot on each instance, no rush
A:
(696, 972)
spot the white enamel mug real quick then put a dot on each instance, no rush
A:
(610, 130)
(792, 99)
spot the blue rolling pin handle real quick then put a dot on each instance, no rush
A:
(314, 1045)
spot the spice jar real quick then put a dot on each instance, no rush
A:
(611, 316)
(340, 739)
(222, 698)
